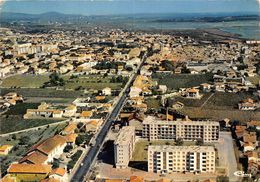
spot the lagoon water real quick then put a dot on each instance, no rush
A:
(246, 29)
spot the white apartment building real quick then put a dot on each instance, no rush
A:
(187, 130)
(124, 146)
(166, 159)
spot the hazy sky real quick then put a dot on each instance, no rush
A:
(102, 7)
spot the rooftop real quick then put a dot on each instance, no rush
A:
(166, 148)
(123, 137)
(186, 121)
(29, 168)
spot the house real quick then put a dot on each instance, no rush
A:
(100, 97)
(249, 146)
(136, 179)
(71, 139)
(70, 111)
(178, 70)
(240, 130)
(253, 168)
(5, 149)
(106, 91)
(219, 87)
(192, 93)
(177, 105)
(253, 156)
(43, 110)
(254, 124)
(162, 88)
(8, 178)
(135, 92)
(86, 114)
(35, 157)
(196, 66)
(140, 107)
(247, 105)
(69, 129)
(52, 147)
(205, 87)
(12, 98)
(59, 174)
(29, 172)
(93, 125)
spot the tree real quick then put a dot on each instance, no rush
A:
(79, 140)
(79, 125)
(185, 70)
(14, 137)
(129, 68)
(168, 65)
(56, 164)
(222, 179)
(179, 142)
(24, 140)
(199, 142)
(68, 148)
(55, 80)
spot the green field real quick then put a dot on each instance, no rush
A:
(193, 102)
(82, 82)
(46, 93)
(217, 114)
(220, 106)
(91, 82)
(25, 81)
(255, 80)
(11, 123)
(153, 103)
(221, 100)
(177, 81)
(20, 108)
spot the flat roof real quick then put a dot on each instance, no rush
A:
(153, 120)
(169, 148)
(123, 137)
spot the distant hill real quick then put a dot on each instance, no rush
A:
(50, 16)
(55, 16)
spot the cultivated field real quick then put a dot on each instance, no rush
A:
(46, 93)
(81, 82)
(177, 81)
(25, 81)
(13, 120)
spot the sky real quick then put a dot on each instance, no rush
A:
(108, 7)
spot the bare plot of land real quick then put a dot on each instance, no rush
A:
(182, 80)
(217, 114)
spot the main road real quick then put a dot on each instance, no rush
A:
(90, 157)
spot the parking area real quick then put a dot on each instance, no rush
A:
(106, 171)
(226, 155)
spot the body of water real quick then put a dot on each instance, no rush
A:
(246, 29)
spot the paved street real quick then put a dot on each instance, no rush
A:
(90, 157)
(227, 155)
(107, 171)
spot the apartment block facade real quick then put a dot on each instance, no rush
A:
(187, 130)
(166, 159)
(124, 146)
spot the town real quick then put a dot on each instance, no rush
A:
(124, 105)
